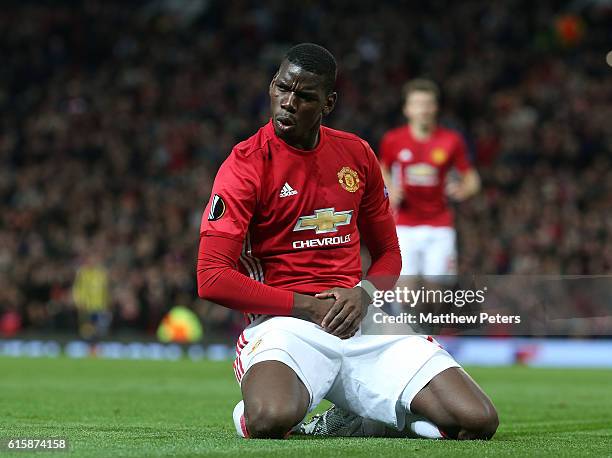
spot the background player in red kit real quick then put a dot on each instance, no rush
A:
(288, 209)
(416, 159)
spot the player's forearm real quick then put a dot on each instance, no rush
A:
(220, 282)
(470, 183)
(385, 270)
(382, 243)
(232, 289)
(394, 189)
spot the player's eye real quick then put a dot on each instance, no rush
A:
(306, 97)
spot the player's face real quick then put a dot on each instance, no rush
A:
(298, 102)
(421, 107)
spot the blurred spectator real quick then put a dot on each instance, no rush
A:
(90, 293)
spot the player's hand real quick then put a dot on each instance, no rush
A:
(455, 191)
(310, 308)
(344, 317)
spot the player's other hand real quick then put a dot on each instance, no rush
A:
(455, 191)
(350, 306)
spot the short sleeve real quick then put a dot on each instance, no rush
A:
(460, 156)
(375, 202)
(233, 198)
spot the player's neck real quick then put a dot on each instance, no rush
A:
(421, 132)
(306, 143)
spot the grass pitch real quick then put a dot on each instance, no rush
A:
(150, 408)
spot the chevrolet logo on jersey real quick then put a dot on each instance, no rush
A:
(324, 221)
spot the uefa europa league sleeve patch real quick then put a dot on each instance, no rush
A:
(217, 208)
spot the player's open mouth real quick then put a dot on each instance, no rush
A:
(284, 122)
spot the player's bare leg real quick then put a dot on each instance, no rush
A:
(457, 405)
(275, 400)
(450, 406)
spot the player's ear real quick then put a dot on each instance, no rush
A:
(330, 103)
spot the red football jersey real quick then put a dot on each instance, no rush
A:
(420, 168)
(298, 211)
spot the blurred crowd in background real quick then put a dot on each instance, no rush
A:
(114, 118)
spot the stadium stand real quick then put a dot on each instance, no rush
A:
(114, 120)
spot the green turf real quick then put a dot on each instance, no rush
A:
(147, 408)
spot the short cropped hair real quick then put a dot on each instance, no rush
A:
(315, 59)
(420, 85)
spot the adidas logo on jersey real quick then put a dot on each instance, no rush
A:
(287, 191)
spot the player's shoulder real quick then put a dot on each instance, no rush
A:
(449, 132)
(341, 135)
(346, 138)
(253, 148)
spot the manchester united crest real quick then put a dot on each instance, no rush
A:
(348, 179)
(438, 156)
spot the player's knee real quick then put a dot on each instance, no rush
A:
(479, 422)
(270, 420)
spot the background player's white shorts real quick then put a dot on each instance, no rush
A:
(427, 250)
(364, 374)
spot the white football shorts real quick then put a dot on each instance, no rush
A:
(365, 374)
(427, 250)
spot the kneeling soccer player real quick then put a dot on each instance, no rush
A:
(279, 241)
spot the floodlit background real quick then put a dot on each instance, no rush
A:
(114, 117)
